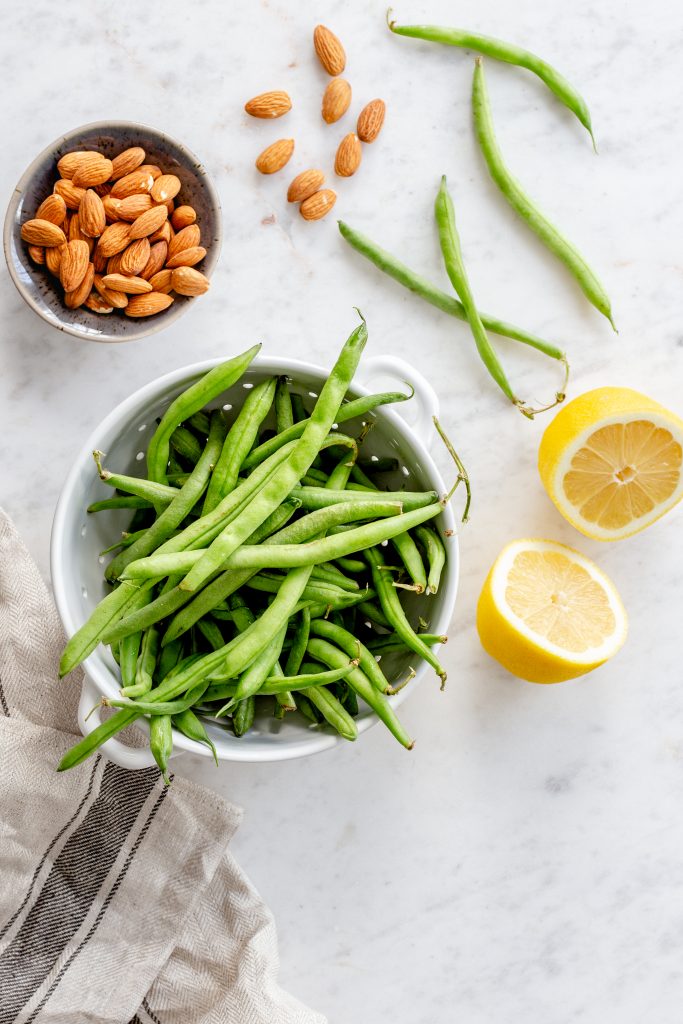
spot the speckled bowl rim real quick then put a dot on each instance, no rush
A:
(168, 316)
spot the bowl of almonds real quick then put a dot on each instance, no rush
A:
(113, 231)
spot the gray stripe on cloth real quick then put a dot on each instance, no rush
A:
(71, 886)
(150, 1013)
(64, 829)
(110, 895)
(3, 702)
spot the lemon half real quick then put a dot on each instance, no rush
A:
(612, 462)
(548, 614)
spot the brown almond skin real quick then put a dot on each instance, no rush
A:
(349, 155)
(148, 223)
(74, 265)
(134, 206)
(127, 162)
(119, 300)
(164, 234)
(185, 239)
(37, 254)
(92, 217)
(269, 104)
(94, 169)
(77, 297)
(137, 181)
(114, 238)
(148, 305)
(42, 232)
(151, 169)
(336, 100)
(304, 185)
(162, 281)
(134, 257)
(182, 217)
(318, 205)
(71, 195)
(187, 281)
(274, 157)
(370, 120)
(111, 208)
(53, 258)
(330, 51)
(68, 164)
(97, 304)
(129, 285)
(166, 186)
(53, 208)
(157, 257)
(187, 257)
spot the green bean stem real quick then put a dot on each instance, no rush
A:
(436, 555)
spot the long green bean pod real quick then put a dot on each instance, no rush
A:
(524, 206)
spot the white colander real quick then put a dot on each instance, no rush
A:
(77, 538)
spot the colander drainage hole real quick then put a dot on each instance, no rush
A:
(140, 456)
(84, 530)
(227, 407)
(143, 426)
(405, 470)
(313, 394)
(248, 386)
(84, 591)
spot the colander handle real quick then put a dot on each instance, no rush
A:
(382, 372)
(125, 757)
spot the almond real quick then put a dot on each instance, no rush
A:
(77, 297)
(269, 104)
(37, 254)
(157, 257)
(186, 281)
(185, 239)
(134, 206)
(42, 232)
(111, 208)
(304, 185)
(129, 285)
(274, 157)
(113, 264)
(182, 216)
(102, 190)
(92, 169)
(99, 261)
(75, 232)
(134, 258)
(318, 205)
(92, 216)
(53, 258)
(148, 305)
(167, 186)
(127, 162)
(336, 100)
(114, 238)
(97, 304)
(74, 264)
(370, 120)
(330, 51)
(69, 163)
(164, 234)
(130, 184)
(53, 208)
(349, 155)
(162, 281)
(71, 195)
(148, 223)
(187, 257)
(119, 300)
(151, 169)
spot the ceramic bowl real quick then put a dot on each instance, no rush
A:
(78, 538)
(34, 283)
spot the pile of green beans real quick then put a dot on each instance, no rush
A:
(254, 575)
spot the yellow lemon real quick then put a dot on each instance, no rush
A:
(548, 614)
(612, 462)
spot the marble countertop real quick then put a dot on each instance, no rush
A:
(523, 863)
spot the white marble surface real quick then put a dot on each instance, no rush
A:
(524, 862)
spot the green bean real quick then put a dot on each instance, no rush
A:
(233, 658)
(308, 710)
(332, 597)
(144, 670)
(284, 416)
(125, 598)
(299, 642)
(161, 743)
(319, 497)
(157, 709)
(436, 555)
(211, 633)
(347, 411)
(129, 648)
(348, 643)
(243, 718)
(393, 642)
(124, 501)
(523, 205)
(391, 266)
(185, 444)
(284, 699)
(333, 712)
(329, 516)
(275, 684)
(126, 540)
(189, 725)
(306, 449)
(148, 489)
(339, 477)
(199, 421)
(455, 268)
(351, 564)
(177, 510)
(329, 573)
(169, 658)
(255, 674)
(360, 478)
(412, 560)
(142, 618)
(193, 399)
(393, 610)
(498, 49)
(328, 654)
(298, 409)
(238, 442)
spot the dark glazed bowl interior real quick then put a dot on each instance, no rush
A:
(36, 285)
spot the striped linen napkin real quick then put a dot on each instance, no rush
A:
(119, 898)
